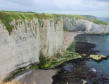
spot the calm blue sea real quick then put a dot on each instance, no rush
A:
(102, 44)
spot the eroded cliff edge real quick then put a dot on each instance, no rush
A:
(24, 36)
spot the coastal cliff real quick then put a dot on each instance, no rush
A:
(24, 36)
(23, 45)
(85, 25)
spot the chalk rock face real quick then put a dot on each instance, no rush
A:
(85, 26)
(25, 43)
(69, 23)
(91, 28)
(30, 38)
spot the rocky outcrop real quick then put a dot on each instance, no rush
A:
(98, 57)
(22, 40)
(85, 26)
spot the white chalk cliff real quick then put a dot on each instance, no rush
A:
(29, 38)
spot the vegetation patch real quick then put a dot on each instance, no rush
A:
(99, 22)
(20, 71)
(15, 73)
(94, 20)
(7, 17)
(58, 59)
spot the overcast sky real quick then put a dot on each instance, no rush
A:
(98, 8)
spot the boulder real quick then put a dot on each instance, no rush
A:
(98, 57)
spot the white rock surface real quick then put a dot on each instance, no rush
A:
(29, 38)
(23, 46)
(85, 26)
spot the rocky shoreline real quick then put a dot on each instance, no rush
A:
(76, 71)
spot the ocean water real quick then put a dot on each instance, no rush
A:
(102, 44)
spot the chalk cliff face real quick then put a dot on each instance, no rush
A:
(85, 26)
(29, 38)
(92, 28)
(26, 41)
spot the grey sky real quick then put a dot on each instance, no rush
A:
(87, 7)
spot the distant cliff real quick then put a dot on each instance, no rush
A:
(24, 36)
(85, 25)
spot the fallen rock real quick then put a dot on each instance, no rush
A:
(98, 57)
(93, 70)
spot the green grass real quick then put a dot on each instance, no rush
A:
(99, 22)
(20, 71)
(92, 20)
(7, 17)
(85, 18)
(58, 59)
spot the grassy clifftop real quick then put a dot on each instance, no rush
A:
(7, 16)
(96, 21)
